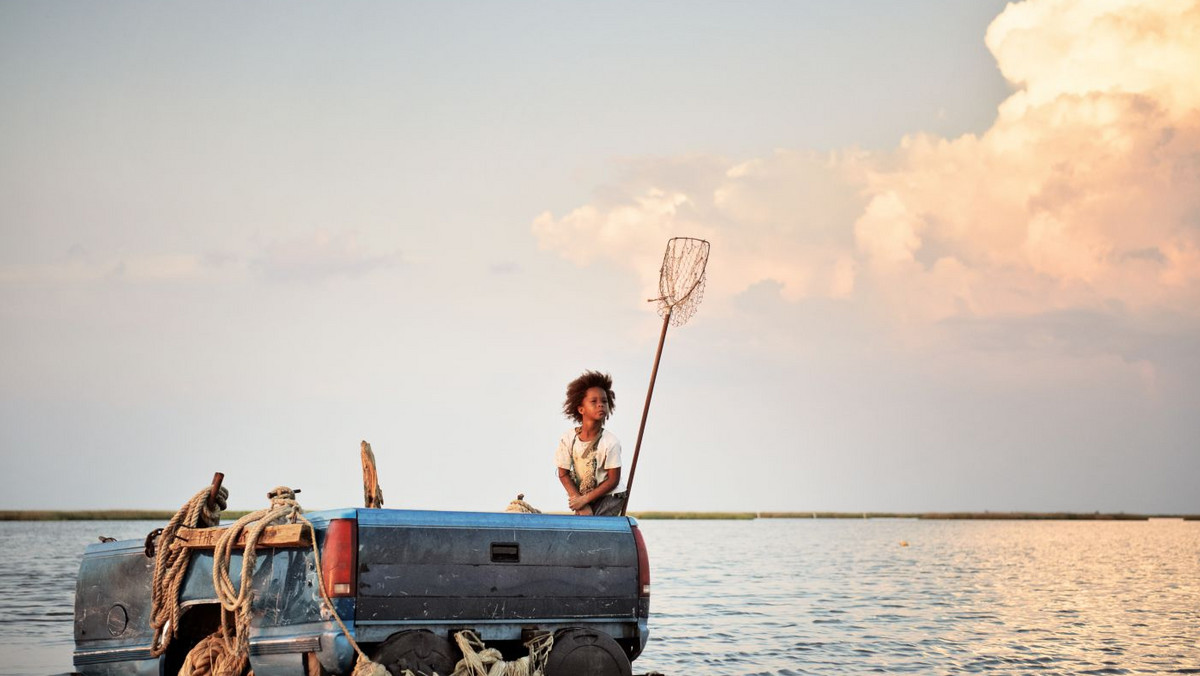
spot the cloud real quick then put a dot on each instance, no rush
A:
(504, 268)
(79, 268)
(1081, 47)
(779, 218)
(318, 256)
(635, 229)
(1081, 196)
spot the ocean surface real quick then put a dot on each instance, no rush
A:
(809, 596)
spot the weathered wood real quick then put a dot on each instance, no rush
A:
(214, 491)
(286, 535)
(372, 493)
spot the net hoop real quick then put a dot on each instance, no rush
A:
(682, 278)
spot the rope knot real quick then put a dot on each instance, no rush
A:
(521, 507)
(227, 651)
(284, 499)
(282, 493)
(210, 515)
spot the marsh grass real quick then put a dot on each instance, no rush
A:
(229, 516)
(995, 516)
(729, 516)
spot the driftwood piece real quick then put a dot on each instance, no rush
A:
(284, 535)
(372, 493)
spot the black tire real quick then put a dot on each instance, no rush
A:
(584, 652)
(419, 651)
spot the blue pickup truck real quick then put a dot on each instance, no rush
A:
(404, 582)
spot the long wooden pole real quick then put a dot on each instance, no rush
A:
(637, 448)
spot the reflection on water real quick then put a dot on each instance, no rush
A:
(845, 596)
(809, 596)
(38, 563)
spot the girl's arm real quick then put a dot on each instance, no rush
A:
(579, 501)
(564, 477)
(574, 501)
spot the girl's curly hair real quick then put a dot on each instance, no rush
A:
(578, 388)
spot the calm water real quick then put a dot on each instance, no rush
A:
(810, 596)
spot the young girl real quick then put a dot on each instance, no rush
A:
(589, 456)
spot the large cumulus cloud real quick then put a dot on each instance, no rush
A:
(1083, 195)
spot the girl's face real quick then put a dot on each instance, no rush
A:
(595, 405)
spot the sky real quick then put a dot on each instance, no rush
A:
(955, 251)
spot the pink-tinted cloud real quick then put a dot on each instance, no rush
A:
(1082, 194)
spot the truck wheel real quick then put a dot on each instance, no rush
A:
(584, 652)
(419, 651)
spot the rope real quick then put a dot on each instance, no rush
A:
(171, 559)
(479, 660)
(363, 666)
(519, 506)
(237, 601)
(201, 660)
(226, 652)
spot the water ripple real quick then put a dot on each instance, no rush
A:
(965, 597)
(811, 596)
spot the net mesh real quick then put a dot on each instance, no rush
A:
(681, 279)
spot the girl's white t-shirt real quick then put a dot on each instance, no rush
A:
(608, 452)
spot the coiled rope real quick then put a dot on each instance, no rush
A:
(236, 601)
(519, 506)
(204, 657)
(479, 660)
(227, 651)
(171, 559)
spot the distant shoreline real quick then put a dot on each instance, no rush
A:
(163, 515)
(959, 516)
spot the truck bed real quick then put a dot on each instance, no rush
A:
(504, 576)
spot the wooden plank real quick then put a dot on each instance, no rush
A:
(286, 535)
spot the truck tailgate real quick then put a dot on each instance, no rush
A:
(465, 566)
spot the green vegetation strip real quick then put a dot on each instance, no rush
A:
(979, 516)
(229, 516)
(741, 516)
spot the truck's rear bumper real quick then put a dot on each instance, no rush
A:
(500, 630)
(283, 651)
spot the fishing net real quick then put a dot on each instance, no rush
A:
(681, 279)
(681, 288)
